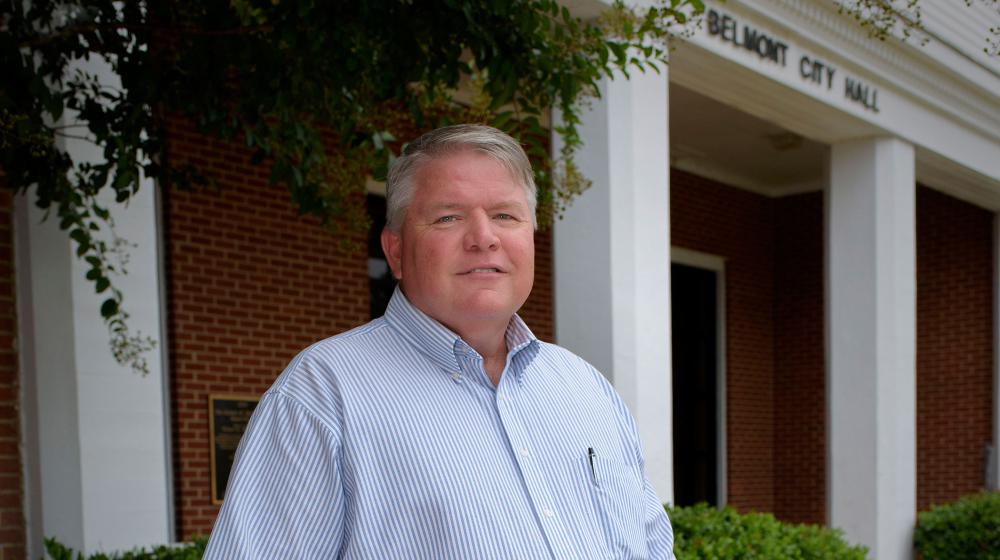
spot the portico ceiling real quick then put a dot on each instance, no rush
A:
(720, 142)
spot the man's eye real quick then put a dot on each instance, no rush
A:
(445, 219)
(503, 216)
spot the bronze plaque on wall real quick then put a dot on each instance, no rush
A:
(228, 416)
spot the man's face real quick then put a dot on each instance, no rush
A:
(465, 254)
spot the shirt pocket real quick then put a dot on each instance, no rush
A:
(616, 490)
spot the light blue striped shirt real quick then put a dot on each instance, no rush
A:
(390, 441)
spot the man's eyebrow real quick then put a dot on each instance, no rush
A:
(511, 204)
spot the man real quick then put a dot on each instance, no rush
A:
(444, 429)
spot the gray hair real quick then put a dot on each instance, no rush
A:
(399, 185)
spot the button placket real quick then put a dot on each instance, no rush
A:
(534, 478)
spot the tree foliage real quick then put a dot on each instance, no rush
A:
(194, 550)
(704, 532)
(904, 18)
(323, 93)
(966, 529)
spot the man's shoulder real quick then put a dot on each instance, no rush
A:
(568, 362)
(320, 363)
(586, 380)
(577, 370)
(343, 343)
(552, 351)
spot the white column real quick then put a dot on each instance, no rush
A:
(96, 433)
(612, 259)
(871, 269)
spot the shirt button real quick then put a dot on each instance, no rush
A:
(549, 513)
(501, 397)
(456, 376)
(524, 452)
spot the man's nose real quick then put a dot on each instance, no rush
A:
(481, 235)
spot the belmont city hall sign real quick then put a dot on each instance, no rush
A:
(810, 68)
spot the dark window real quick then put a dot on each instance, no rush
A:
(694, 385)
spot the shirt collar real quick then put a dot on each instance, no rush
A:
(442, 345)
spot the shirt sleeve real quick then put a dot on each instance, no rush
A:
(285, 496)
(659, 533)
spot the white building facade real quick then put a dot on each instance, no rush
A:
(884, 116)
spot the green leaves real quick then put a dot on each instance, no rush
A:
(110, 307)
(189, 551)
(703, 532)
(323, 93)
(963, 530)
(883, 20)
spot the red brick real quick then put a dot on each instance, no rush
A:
(711, 217)
(12, 536)
(800, 362)
(954, 346)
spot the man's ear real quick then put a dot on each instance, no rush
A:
(392, 246)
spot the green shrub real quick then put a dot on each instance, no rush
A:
(702, 531)
(188, 551)
(966, 529)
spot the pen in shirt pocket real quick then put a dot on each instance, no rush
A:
(593, 470)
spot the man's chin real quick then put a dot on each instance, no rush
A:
(486, 312)
(488, 307)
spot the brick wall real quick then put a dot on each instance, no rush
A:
(537, 312)
(776, 364)
(713, 218)
(250, 285)
(799, 361)
(12, 528)
(954, 346)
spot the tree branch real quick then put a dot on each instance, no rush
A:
(76, 137)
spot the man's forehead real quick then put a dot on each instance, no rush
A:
(457, 203)
(454, 180)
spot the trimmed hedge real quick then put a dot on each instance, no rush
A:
(188, 551)
(702, 531)
(963, 530)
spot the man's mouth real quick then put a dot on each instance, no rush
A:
(483, 270)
